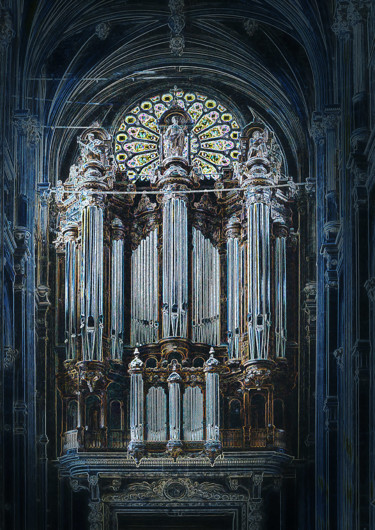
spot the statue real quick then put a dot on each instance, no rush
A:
(92, 148)
(258, 145)
(174, 139)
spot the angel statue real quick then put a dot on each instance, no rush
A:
(174, 139)
(92, 146)
(258, 145)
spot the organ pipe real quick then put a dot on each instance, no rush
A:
(233, 288)
(156, 407)
(70, 291)
(193, 414)
(258, 272)
(206, 290)
(144, 291)
(280, 295)
(92, 282)
(212, 399)
(117, 290)
(175, 268)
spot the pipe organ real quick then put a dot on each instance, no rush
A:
(191, 275)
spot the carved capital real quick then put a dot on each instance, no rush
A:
(28, 126)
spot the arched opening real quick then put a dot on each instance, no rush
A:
(278, 414)
(235, 414)
(258, 411)
(71, 416)
(93, 413)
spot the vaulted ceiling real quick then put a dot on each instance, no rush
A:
(268, 56)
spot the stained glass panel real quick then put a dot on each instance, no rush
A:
(214, 138)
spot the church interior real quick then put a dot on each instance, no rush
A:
(188, 264)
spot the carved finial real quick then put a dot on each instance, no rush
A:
(136, 364)
(211, 362)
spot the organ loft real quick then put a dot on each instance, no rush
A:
(177, 258)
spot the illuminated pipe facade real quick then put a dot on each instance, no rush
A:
(233, 288)
(70, 236)
(206, 290)
(258, 271)
(92, 282)
(145, 286)
(280, 293)
(117, 289)
(175, 267)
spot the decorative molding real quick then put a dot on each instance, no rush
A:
(176, 23)
(7, 32)
(370, 288)
(251, 26)
(102, 30)
(339, 356)
(10, 357)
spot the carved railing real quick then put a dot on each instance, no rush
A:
(94, 440)
(117, 440)
(70, 440)
(258, 438)
(232, 438)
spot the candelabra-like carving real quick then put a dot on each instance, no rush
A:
(213, 444)
(136, 445)
(174, 443)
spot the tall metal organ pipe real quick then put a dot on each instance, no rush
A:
(70, 235)
(117, 289)
(92, 282)
(233, 287)
(144, 291)
(206, 290)
(258, 271)
(175, 268)
(280, 295)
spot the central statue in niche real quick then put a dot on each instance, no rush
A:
(174, 139)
